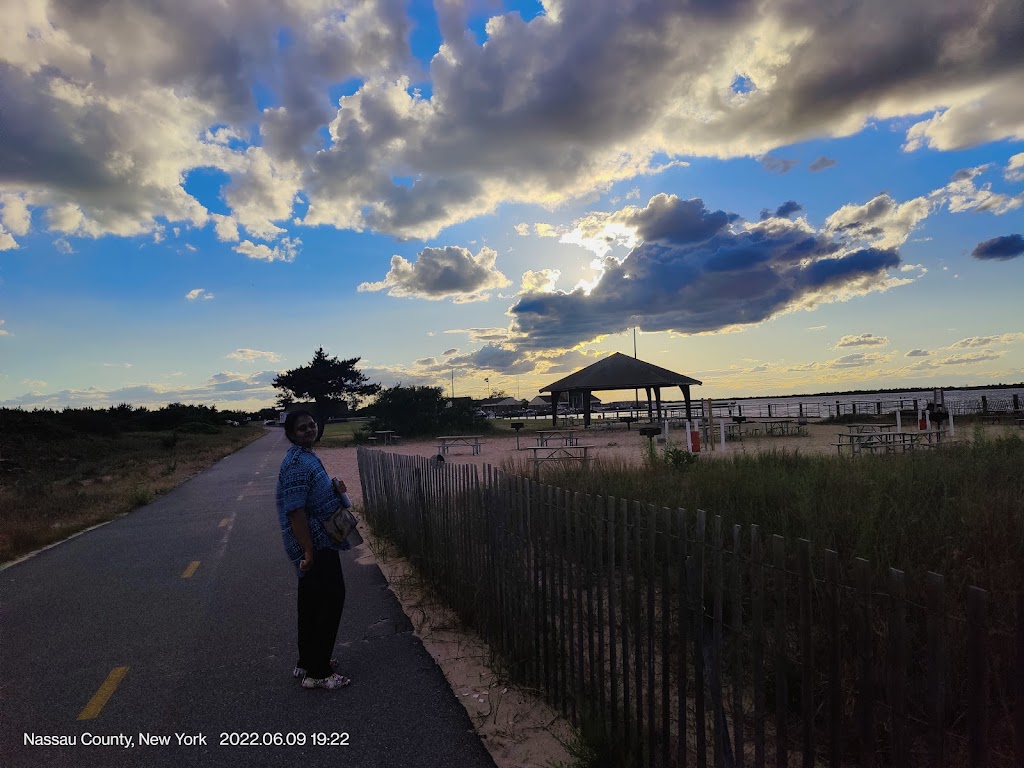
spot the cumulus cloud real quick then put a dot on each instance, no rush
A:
(974, 342)
(540, 281)
(441, 273)
(918, 353)
(970, 358)
(699, 270)
(856, 360)
(881, 222)
(811, 71)
(7, 243)
(1015, 168)
(251, 355)
(1000, 248)
(962, 194)
(15, 219)
(198, 293)
(226, 228)
(110, 105)
(286, 251)
(862, 340)
(4, 331)
(15, 214)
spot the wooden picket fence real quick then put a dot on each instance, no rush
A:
(689, 644)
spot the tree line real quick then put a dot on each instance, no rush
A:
(328, 386)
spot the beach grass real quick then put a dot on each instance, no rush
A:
(958, 511)
(54, 483)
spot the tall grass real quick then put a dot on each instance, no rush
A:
(54, 483)
(958, 511)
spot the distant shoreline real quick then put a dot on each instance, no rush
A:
(846, 393)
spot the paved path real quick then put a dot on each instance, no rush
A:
(208, 649)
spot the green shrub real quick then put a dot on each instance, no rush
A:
(198, 428)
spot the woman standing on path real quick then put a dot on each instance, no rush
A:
(305, 497)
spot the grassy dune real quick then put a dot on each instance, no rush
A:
(55, 483)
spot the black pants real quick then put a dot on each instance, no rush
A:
(321, 601)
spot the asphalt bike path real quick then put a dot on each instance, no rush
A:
(167, 638)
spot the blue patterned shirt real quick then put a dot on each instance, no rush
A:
(304, 483)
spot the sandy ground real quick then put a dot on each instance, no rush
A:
(518, 728)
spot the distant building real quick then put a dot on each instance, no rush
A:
(499, 405)
(574, 400)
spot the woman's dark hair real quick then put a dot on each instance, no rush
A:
(291, 418)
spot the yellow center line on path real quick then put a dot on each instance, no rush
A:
(190, 570)
(97, 702)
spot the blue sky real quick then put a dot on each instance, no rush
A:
(781, 197)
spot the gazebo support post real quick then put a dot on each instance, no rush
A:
(686, 397)
(554, 408)
(650, 413)
(586, 408)
(657, 400)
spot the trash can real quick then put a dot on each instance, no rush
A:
(695, 441)
(922, 424)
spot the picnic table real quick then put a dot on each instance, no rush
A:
(887, 442)
(871, 427)
(386, 436)
(574, 452)
(774, 426)
(567, 436)
(447, 441)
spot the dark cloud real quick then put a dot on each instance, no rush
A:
(918, 353)
(779, 165)
(1000, 248)
(784, 211)
(493, 357)
(821, 164)
(739, 276)
(669, 219)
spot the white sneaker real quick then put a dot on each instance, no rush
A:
(330, 683)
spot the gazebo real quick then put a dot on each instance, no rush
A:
(619, 371)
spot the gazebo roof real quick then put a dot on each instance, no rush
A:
(619, 371)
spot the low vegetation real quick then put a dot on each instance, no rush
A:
(958, 511)
(62, 472)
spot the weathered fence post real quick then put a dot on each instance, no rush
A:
(835, 683)
(897, 666)
(935, 588)
(757, 644)
(865, 689)
(737, 651)
(781, 662)
(806, 652)
(977, 677)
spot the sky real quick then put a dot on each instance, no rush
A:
(772, 197)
